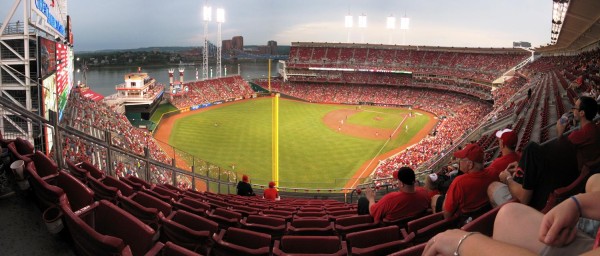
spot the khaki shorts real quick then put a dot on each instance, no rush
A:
(581, 244)
(501, 195)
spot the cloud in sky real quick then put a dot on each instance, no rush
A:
(117, 24)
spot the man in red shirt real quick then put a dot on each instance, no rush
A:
(271, 192)
(466, 195)
(408, 201)
(507, 140)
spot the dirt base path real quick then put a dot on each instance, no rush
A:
(333, 121)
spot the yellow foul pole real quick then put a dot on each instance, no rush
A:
(275, 132)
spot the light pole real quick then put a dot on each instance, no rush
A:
(362, 25)
(390, 25)
(348, 23)
(220, 20)
(206, 17)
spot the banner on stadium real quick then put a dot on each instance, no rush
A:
(48, 17)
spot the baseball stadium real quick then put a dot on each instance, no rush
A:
(334, 149)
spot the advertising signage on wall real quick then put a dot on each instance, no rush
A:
(63, 79)
(49, 16)
(47, 57)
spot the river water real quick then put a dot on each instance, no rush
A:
(103, 80)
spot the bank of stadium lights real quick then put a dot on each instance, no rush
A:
(390, 25)
(559, 11)
(362, 25)
(220, 20)
(404, 27)
(206, 17)
(348, 23)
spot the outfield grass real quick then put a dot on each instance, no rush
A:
(311, 154)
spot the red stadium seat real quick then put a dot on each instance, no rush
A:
(188, 230)
(265, 224)
(378, 241)
(236, 241)
(305, 245)
(104, 229)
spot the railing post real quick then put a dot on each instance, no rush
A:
(111, 166)
(147, 165)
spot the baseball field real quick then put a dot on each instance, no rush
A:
(320, 145)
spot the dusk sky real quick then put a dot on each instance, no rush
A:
(125, 24)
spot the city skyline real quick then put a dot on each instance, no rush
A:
(111, 24)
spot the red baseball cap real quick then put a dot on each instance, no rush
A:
(272, 184)
(472, 152)
(508, 137)
(245, 178)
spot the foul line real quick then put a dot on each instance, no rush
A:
(379, 152)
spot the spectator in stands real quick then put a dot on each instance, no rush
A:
(271, 192)
(244, 188)
(547, 167)
(408, 201)
(466, 196)
(507, 140)
(522, 230)
(587, 138)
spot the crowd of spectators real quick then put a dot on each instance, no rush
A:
(96, 117)
(480, 66)
(208, 91)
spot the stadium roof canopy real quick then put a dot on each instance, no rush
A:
(580, 29)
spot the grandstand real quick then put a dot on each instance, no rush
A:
(125, 185)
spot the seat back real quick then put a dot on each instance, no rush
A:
(44, 165)
(192, 205)
(88, 241)
(422, 222)
(371, 237)
(47, 194)
(125, 189)
(78, 194)
(307, 245)
(21, 149)
(79, 173)
(149, 201)
(427, 232)
(108, 219)
(188, 230)
(92, 170)
(236, 241)
(378, 241)
(166, 192)
(101, 191)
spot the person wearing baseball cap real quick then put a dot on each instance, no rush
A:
(244, 188)
(271, 192)
(507, 140)
(408, 201)
(466, 196)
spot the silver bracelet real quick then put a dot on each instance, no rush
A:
(461, 241)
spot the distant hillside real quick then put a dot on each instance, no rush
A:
(283, 49)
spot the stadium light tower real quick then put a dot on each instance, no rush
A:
(348, 23)
(362, 25)
(404, 26)
(206, 17)
(390, 25)
(220, 20)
